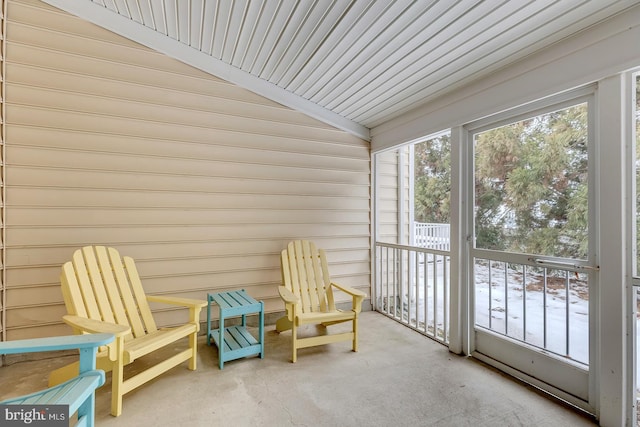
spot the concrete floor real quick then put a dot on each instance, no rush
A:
(398, 378)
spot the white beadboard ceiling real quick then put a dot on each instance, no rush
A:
(352, 63)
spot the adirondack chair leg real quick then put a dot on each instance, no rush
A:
(294, 336)
(85, 409)
(193, 345)
(355, 333)
(117, 388)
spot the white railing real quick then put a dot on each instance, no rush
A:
(544, 307)
(412, 291)
(541, 306)
(432, 236)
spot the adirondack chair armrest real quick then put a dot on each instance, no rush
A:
(95, 326)
(287, 295)
(185, 302)
(357, 295)
(290, 302)
(69, 342)
(194, 305)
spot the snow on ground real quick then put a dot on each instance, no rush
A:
(531, 314)
(526, 313)
(539, 318)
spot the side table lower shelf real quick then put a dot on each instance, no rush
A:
(238, 342)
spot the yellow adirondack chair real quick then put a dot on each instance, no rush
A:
(307, 292)
(103, 293)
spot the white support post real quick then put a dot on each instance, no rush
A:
(459, 328)
(609, 363)
(3, 175)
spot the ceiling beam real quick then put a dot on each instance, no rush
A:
(139, 33)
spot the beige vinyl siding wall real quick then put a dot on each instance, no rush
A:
(393, 199)
(202, 182)
(387, 196)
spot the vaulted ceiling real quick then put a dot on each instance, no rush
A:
(352, 63)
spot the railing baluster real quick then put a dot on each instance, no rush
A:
(524, 304)
(388, 305)
(398, 270)
(544, 302)
(506, 300)
(435, 294)
(490, 296)
(425, 292)
(567, 311)
(445, 285)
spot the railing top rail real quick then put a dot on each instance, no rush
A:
(412, 248)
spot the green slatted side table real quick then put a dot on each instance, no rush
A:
(234, 342)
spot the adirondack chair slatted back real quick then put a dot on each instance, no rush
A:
(98, 284)
(306, 274)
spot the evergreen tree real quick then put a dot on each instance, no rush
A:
(531, 185)
(432, 188)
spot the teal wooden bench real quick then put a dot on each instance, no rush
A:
(234, 342)
(77, 393)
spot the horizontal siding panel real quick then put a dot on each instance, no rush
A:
(66, 197)
(201, 182)
(34, 295)
(100, 50)
(230, 264)
(35, 275)
(29, 315)
(228, 114)
(110, 142)
(82, 178)
(58, 255)
(60, 61)
(206, 265)
(98, 234)
(81, 217)
(152, 126)
(188, 164)
(245, 176)
(225, 101)
(35, 13)
(241, 279)
(35, 330)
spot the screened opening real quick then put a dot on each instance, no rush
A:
(413, 235)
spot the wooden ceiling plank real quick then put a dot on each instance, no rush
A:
(289, 15)
(265, 20)
(431, 59)
(298, 29)
(183, 19)
(401, 40)
(304, 50)
(171, 18)
(246, 37)
(159, 18)
(361, 36)
(195, 24)
(210, 29)
(236, 24)
(357, 18)
(551, 24)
